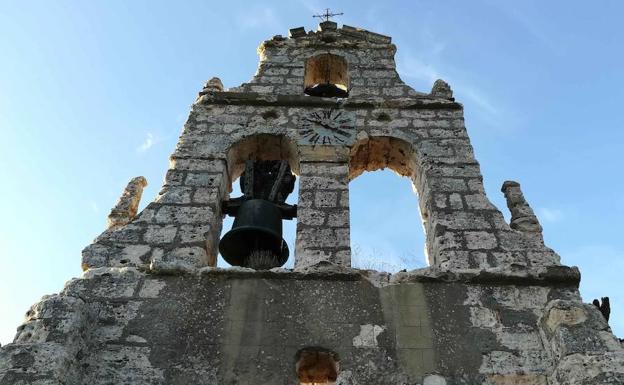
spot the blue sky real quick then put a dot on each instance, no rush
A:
(94, 93)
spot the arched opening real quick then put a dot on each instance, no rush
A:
(316, 366)
(261, 147)
(259, 230)
(386, 220)
(326, 75)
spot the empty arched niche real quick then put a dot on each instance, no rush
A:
(316, 366)
(326, 75)
(386, 220)
(261, 168)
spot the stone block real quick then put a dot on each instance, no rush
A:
(194, 164)
(132, 255)
(43, 359)
(196, 234)
(447, 241)
(56, 318)
(183, 214)
(605, 368)
(517, 241)
(480, 240)
(478, 202)
(151, 288)
(512, 363)
(207, 196)
(456, 202)
(483, 317)
(124, 364)
(159, 235)
(262, 89)
(183, 259)
(297, 71)
(174, 178)
(324, 199)
(175, 194)
(445, 185)
(313, 154)
(124, 234)
(320, 183)
(204, 180)
(520, 340)
(476, 185)
(327, 169)
(440, 200)
(338, 218)
(459, 220)
(98, 255)
(543, 258)
(310, 217)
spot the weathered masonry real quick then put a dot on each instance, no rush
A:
(494, 306)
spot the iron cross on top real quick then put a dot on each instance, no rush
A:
(327, 15)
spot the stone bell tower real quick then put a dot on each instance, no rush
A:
(494, 306)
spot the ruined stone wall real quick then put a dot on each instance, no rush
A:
(464, 230)
(121, 326)
(494, 306)
(370, 58)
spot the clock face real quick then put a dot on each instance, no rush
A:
(328, 127)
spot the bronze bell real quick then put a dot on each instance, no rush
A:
(256, 237)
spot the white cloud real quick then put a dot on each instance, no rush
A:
(147, 143)
(549, 214)
(94, 206)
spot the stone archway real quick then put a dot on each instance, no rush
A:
(381, 152)
(255, 155)
(261, 147)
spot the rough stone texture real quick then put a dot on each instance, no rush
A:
(213, 85)
(494, 307)
(441, 89)
(126, 208)
(323, 215)
(585, 350)
(522, 216)
(120, 325)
